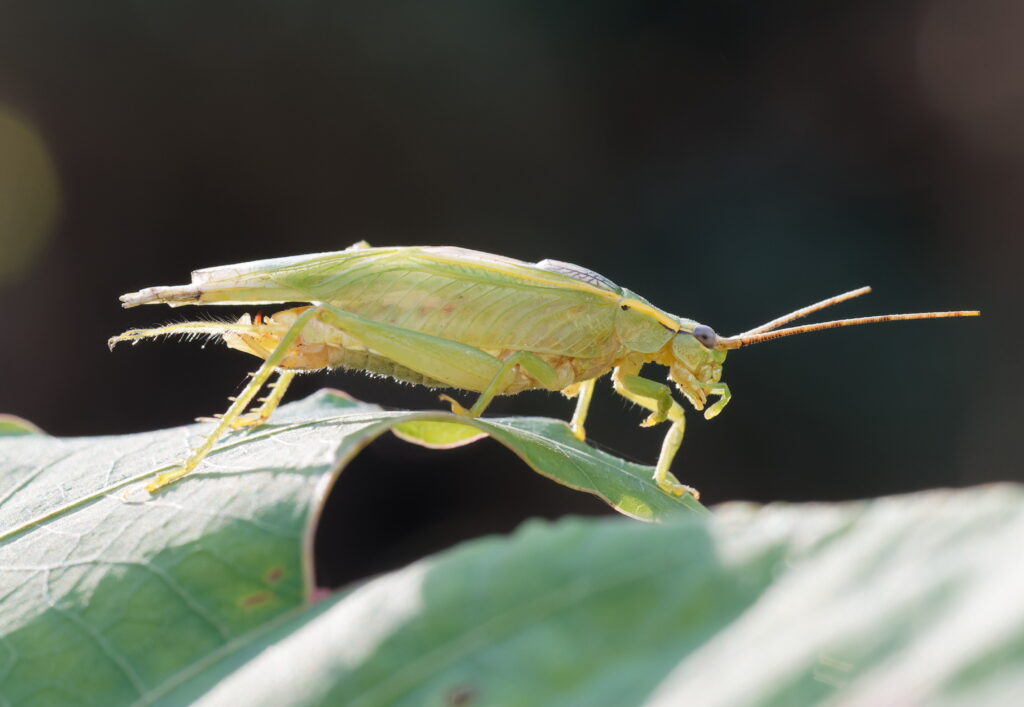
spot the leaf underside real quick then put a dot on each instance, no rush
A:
(107, 593)
(201, 593)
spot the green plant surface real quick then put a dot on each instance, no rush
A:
(202, 593)
(901, 601)
(110, 596)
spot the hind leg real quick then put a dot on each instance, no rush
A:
(240, 403)
(537, 368)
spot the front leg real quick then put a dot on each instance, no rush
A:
(657, 398)
(724, 396)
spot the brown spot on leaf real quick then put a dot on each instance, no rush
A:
(255, 599)
(461, 696)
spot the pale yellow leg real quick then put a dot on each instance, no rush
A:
(532, 364)
(657, 398)
(583, 392)
(724, 396)
(257, 417)
(240, 404)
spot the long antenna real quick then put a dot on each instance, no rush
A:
(746, 339)
(804, 311)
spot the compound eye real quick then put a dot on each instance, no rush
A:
(705, 335)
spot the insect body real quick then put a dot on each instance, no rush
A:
(454, 318)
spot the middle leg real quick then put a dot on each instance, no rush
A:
(583, 392)
(536, 367)
(447, 361)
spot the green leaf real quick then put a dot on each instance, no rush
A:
(202, 593)
(111, 596)
(912, 600)
(437, 435)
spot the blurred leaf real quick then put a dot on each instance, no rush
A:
(12, 425)
(110, 594)
(912, 600)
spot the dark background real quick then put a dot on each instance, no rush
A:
(730, 161)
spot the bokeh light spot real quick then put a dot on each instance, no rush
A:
(29, 195)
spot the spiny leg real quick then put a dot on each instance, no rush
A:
(277, 388)
(451, 362)
(583, 392)
(657, 398)
(446, 361)
(259, 378)
(535, 366)
(257, 417)
(270, 403)
(454, 363)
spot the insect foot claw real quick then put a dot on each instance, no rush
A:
(165, 478)
(456, 408)
(653, 419)
(671, 486)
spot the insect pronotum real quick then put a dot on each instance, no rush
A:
(454, 318)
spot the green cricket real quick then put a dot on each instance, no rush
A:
(449, 317)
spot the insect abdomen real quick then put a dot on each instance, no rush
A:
(319, 345)
(375, 364)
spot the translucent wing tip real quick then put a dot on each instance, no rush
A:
(174, 296)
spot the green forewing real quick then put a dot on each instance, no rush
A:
(478, 299)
